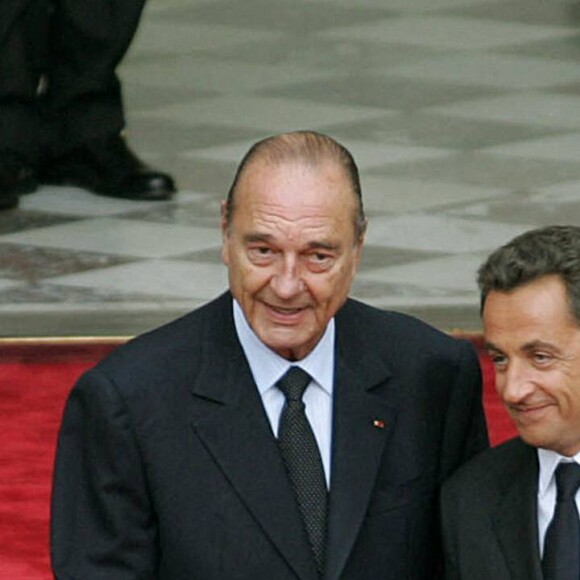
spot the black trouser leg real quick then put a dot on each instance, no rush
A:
(88, 39)
(23, 42)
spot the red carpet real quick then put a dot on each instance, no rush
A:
(34, 380)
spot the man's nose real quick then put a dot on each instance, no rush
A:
(516, 383)
(287, 281)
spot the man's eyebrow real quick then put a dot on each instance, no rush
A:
(253, 237)
(256, 237)
(527, 347)
(331, 246)
(535, 344)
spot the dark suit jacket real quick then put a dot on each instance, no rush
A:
(489, 516)
(167, 467)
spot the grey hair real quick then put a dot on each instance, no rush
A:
(307, 147)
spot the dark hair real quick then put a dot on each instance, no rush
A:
(552, 250)
(308, 147)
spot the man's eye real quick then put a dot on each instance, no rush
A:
(542, 357)
(260, 250)
(320, 261)
(497, 359)
(260, 253)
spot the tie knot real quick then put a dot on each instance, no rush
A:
(567, 480)
(294, 383)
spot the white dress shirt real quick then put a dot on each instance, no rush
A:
(268, 367)
(549, 461)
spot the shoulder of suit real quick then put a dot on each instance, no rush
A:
(184, 335)
(491, 467)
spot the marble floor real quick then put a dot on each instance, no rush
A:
(464, 116)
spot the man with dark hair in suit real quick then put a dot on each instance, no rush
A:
(282, 431)
(512, 513)
(60, 100)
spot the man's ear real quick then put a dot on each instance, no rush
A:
(359, 250)
(224, 230)
(224, 216)
(361, 240)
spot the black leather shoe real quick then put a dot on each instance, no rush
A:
(16, 178)
(108, 167)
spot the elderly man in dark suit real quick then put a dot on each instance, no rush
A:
(190, 452)
(512, 513)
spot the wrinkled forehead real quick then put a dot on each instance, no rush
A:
(297, 184)
(297, 181)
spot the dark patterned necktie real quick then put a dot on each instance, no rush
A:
(302, 457)
(561, 559)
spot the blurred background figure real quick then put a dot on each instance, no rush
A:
(60, 100)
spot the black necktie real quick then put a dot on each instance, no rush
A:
(561, 559)
(302, 457)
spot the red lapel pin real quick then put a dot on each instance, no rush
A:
(379, 424)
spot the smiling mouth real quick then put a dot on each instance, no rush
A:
(527, 411)
(285, 313)
(285, 310)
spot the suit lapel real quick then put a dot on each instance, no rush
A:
(519, 505)
(230, 420)
(361, 425)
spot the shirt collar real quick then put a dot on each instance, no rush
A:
(267, 367)
(549, 461)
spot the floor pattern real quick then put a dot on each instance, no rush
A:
(464, 117)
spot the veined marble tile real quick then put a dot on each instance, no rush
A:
(298, 17)
(556, 49)
(120, 237)
(562, 147)
(444, 273)
(524, 209)
(378, 257)
(6, 284)
(190, 209)
(221, 77)
(73, 201)
(488, 170)
(440, 233)
(170, 279)
(532, 108)
(435, 130)
(560, 193)
(266, 114)
(31, 264)
(553, 13)
(492, 70)
(160, 9)
(414, 6)
(21, 219)
(450, 32)
(383, 90)
(338, 55)
(161, 37)
(46, 297)
(392, 195)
